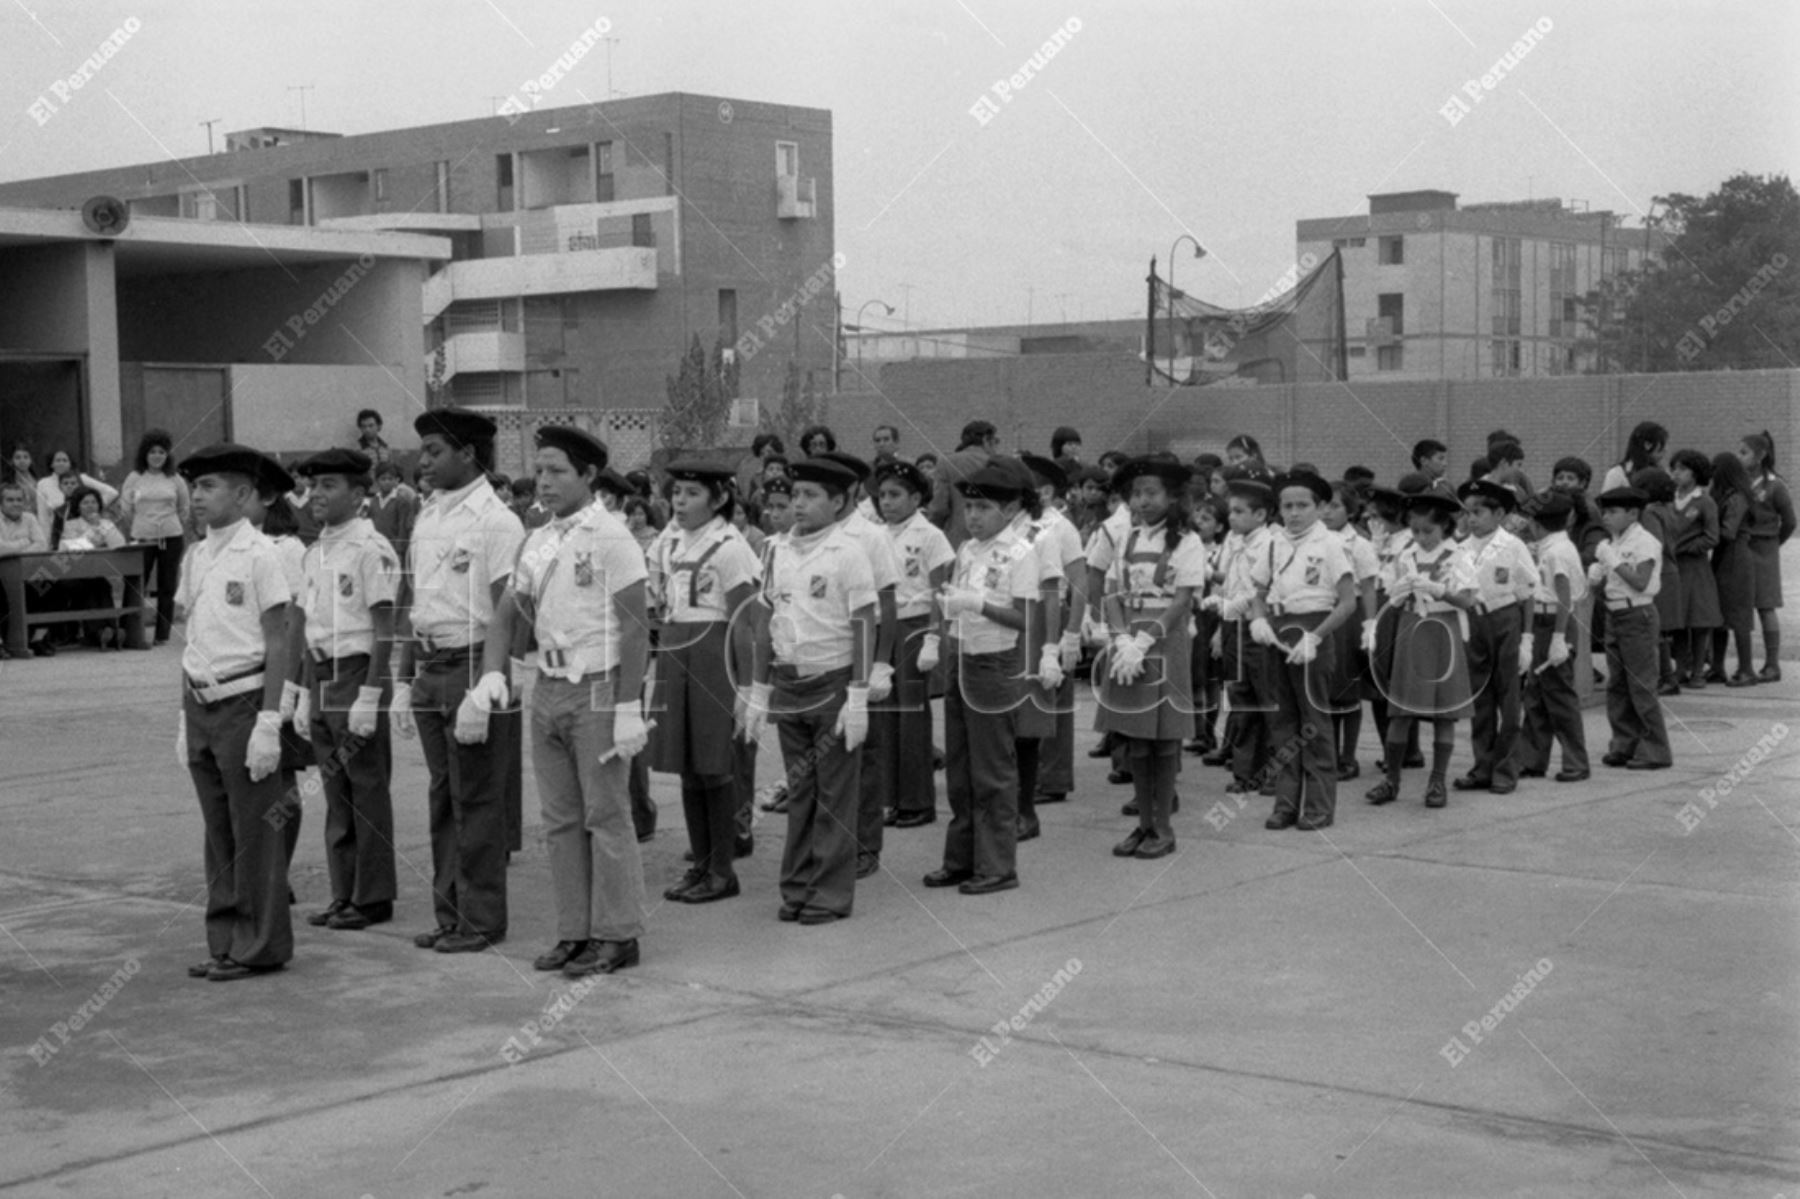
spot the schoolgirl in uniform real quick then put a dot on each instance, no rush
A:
(1312, 592)
(1695, 523)
(1658, 519)
(986, 605)
(812, 663)
(1771, 524)
(701, 575)
(1734, 574)
(1146, 694)
(900, 730)
(1388, 535)
(1429, 679)
(1047, 719)
(1339, 516)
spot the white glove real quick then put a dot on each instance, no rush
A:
(1262, 632)
(1559, 650)
(630, 733)
(302, 713)
(1093, 632)
(1050, 671)
(881, 681)
(291, 693)
(1218, 643)
(1607, 554)
(181, 755)
(1235, 609)
(490, 692)
(1368, 638)
(959, 601)
(1401, 588)
(1128, 656)
(365, 712)
(1305, 649)
(471, 722)
(756, 711)
(400, 713)
(1429, 588)
(263, 755)
(1527, 643)
(928, 653)
(853, 718)
(1597, 574)
(1070, 648)
(1213, 603)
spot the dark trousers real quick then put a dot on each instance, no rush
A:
(247, 917)
(818, 863)
(1251, 688)
(506, 737)
(709, 802)
(1551, 708)
(1631, 704)
(1056, 755)
(899, 741)
(1301, 735)
(359, 808)
(467, 798)
(643, 808)
(1154, 765)
(981, 774)
(1494, 678)
(743, 787)
(166, 567)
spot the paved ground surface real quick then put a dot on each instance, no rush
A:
(1263, 1014)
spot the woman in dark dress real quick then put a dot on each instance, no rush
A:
(1695, 527)
(1732, 570)
(1771, 524)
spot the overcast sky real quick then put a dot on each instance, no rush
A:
(1157, 117)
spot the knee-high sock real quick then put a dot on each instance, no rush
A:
(1443, 744)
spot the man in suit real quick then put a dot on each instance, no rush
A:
(980, 441)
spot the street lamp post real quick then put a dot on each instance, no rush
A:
(887, 309)
(1199, 252)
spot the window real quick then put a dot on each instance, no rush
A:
(381, 183)
(1389, 358)
(1391, 251)
(1505, 356)
(1348, 243)
(642, 234)
(1358, 352)
(728, 330)
(603, 172)
(296, 201)
(503, 174)
(1391, 306)
(1506, 294)
(787, 160)
(1563, 306)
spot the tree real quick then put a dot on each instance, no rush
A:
(801, 406)
(700, 395)
(1724, 294)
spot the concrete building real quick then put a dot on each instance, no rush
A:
(270, 336)
(1434, 291)
(590, 244)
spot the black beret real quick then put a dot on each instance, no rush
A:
(855, 465)
(1248, 487)
(1414, 483)
(1497, 494)
(779, 485)
(908, 476)
(230, 458)
(1208, 462)
(1321, 490)
(614, 483)
(582, 447)
(700, 470)
(827, 471)
(1048, 471)
(1623, 497)
(1171, 472)
(1387, 495)
(999, 479)
(1548, 503)
(1433, 500)
(337, 461)
(458, 425)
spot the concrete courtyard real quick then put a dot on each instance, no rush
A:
(1262, 1014)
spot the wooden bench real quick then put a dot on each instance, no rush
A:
(26, 574)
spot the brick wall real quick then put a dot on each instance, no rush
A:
(1330, 424)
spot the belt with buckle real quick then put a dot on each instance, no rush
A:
(321, 656)
(211, 693)
(1490, 609)
(436, 646)
(1626, 605)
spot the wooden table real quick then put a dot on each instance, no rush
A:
(26, 574)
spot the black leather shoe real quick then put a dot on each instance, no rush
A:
(1281, 820)
(1470, 782)
(1154, 846)
(987, 886)
(1742, 678)
(1029, 830)
(890, 817)
(712, 890)
(1239, 786)
(1349, 770)
(1434, 794)
(942, 877)
(1129, 845)
(1313, 824)
(1102, 750)
(1571, 776)
(1502, 788)
(352, 919)
(1715, 675)
(464, 943)
(1641, 764)
(1668, 689)
(321, 919)
(1769, 674)
(1130, 808)
(693, 878)
(1612, 759)
(1044, 797)
(818, 916)
(743, 847)
(1695, 683)
(558, 955)
(867, 864)
(1531, 774)
(914, 819)
(429, 940)
(788, 913)
(202, 969)
(1217, 757)
(602, 957)
(227, 971)
(1118, 778)
(1382, 792)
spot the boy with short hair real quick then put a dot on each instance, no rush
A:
(1551, 708)
(1628, 569)
(1500, 639)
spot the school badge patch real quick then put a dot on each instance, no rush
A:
(459, 561)
(816, 587)
(234, 593)
(346, 586)
(584, 570)
(993, 578)
(1313, 572)
(1501, 574)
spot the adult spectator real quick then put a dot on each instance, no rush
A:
(1065, 449)
(886, 439)
(368, 427)
(18, 470)
(816, 440)
(65, 476)
(20, 533)
(980, 441)
(153, 507)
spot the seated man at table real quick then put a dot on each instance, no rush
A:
(20, 533)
